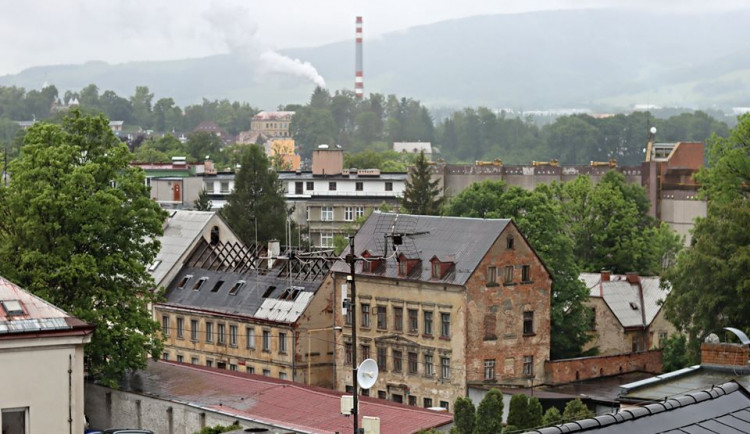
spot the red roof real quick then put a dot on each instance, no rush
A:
(277, 402)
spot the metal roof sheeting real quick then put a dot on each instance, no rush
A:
(38, 315)
(621, 295)
(182, 228)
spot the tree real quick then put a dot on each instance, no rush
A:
(552, 417)
(218, 429)
(518, 413)
(421, 193)
(675, 353)
(535, 413)
(711, 277)
(540, 218)
(464, 416)
(203, 143)
(203, 203)
(490, 413)
(78, 229)
(255, 209)
(576, 410)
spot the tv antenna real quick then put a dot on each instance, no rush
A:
(398, 232)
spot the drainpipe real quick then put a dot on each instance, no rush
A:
(70, 393)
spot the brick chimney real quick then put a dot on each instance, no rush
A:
(606, 274)
(633, 278)
(724, 355)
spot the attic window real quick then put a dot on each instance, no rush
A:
(289, 294)
(269, 291)
(217, 286)
(153, 266)
(435, 269)
(402, 267)
(236, 287)
(510, 243)
(13, 307)
(184, 281)
(633, 306)
(199, 283)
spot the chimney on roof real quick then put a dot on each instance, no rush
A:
(606, 274)
(632, 277)
(724, 354)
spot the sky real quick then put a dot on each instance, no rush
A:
(44, 32)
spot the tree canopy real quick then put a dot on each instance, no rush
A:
(421, 192)
(490, 413)
(79, 229)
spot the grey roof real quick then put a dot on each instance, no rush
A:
(682, 381)
(465, 240)
(721, 409)
(624, 298)
(181, 230)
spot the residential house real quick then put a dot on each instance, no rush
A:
(178, 184)
(41, 354)
(239, 308)
(414, 148)
(628, 316)
(272, 124)
(444, 305)
(214, 128)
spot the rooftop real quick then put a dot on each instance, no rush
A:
(624, 297)
(180, 231)
(273, 116)
(277, 402)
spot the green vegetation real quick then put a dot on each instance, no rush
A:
(576, 410)
(218, 429)
(422, 193)
(78, 227)
(675, 354)
(552, 417)
(490, 414)
(464, 416)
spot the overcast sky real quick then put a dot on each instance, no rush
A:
(45, 32)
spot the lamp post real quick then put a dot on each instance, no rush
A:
(309, 347)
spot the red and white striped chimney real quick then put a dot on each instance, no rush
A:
(358, 83)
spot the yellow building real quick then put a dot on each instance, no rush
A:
(272, 123)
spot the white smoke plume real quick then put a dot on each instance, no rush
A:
(239, 32)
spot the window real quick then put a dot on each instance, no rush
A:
(298, 187)
(209, 363)
(491, 275)
(224, 189)
(332, 186)
(528, 366)
(365, 315)
(180, 358)
(358, 186)
(282, 375)
(194, 329)
(310, 185)
(217, 286)
(222, 334)
(412, 362)
(412, 400)
(153, 266)
(382, 394)
(250, 369)
(348, 353)
(199, 283)
(326, 213)
(326, 239)
(427, 402)
(232, 367)
(209, 332)
(510, 243)
(165, 325)
(282, 342)
(382, 319)
(165, 355)
(210, 187)
(14, 420)
(180, 327)
(349, 213)
(388, 186)
(250, 331)
(184, 281)
(359, 211)
(528, 323)
(349, 315)
(396, 397)
(429, 369)
(489, 369)
(509, 274)
(233, 335)
(194, 360)
(397, 357)
(382, 356)
(398, 318)
(427, 316)
(266, 372)
(266, 340)
(592, 320)
(445, 405)
(236, 287)
(413, 321)
(526, 273)
(445, 325)
(402, 267)
(445, 368)
(435, 269)
(365, 351)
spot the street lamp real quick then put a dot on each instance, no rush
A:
(309, 347)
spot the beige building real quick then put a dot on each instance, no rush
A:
(272, 123)
(627, 311)
(443, 304)
(41, 354)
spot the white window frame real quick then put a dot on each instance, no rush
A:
(349, 213)
(326, 213)
(326, 239)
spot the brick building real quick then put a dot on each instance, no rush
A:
(460, 303)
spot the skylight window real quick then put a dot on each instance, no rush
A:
(217, 286)
(199, 283)
(184, 281)
(13, 307)
(236, 287)
(153, 266)
(269, 291)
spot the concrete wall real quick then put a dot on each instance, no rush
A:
(583, 368)
(34, 376)
(108, 408)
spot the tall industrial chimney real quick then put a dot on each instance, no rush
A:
(358, 83)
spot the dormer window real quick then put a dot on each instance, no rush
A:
(402, 267)
(440, 267)
(184, 281)
(370, 263)
(436, 269)
(406, 266)
(199, 283)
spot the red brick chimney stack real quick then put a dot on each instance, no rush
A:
(633, 278)
(606, 274)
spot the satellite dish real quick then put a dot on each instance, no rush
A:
(367, 373)
(653, 130)
(712, 339)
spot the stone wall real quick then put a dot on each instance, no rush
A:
(584, 368)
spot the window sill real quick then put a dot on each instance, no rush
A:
(428, 336)
(510, 284)
(490, 338)
(445, 338)
(492, 284)
(526, 282)
(526, 335)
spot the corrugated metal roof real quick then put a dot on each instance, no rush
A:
(38, 315)
(274, 402)
(468, 239)
(182, 228)
(283, 310)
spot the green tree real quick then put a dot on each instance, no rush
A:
(540, 218)
(203, 203)
(490, 413)
(552, 417)
(422, 193)
(203, 143)
(464, 416)
(576, 410)
(711, 277)
(78, 229)
(255, 209)
(675, 353)
(535, 413)
(518, 412)
(218, 429)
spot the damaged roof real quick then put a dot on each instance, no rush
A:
(624, 298)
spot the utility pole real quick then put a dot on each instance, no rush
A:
(352, 260)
